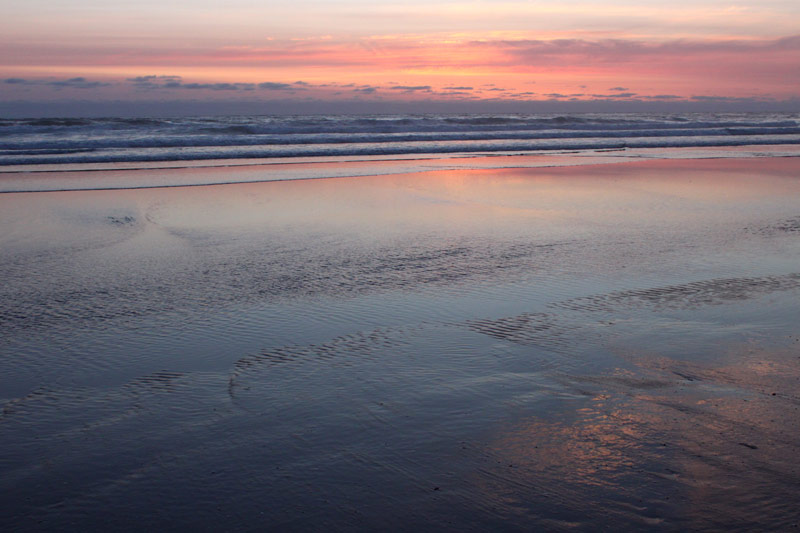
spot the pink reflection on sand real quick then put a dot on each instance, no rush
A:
(711, 445)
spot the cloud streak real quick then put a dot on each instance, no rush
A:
(70, 83)
(411, 88)
(153, 82)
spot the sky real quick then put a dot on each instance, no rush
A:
(351, 55)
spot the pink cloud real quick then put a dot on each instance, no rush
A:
(681, 68)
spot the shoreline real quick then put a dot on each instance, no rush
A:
(86, 179)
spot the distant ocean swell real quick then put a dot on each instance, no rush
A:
(114, 140)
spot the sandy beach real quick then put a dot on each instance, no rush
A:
(566, 349)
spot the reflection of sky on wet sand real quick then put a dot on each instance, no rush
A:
(559, 347)
(672, 443)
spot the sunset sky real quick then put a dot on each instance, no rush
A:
(381, 52)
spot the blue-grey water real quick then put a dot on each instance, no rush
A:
(574, 348)
(130, 140)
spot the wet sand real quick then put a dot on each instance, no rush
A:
(576, 348)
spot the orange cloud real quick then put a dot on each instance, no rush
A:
(560, 68)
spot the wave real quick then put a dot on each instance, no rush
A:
(107, 140)
(384, 149)
(203, 139)
(390, 123)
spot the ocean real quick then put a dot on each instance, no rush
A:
(114, 140)
(274, 148)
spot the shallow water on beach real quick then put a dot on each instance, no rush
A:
(557, 348)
